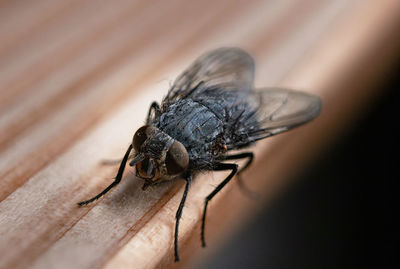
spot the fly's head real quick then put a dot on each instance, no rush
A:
(158, 156)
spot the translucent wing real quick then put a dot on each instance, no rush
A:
(230, 68)
(271, 111)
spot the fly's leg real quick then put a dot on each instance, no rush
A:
(116, 181)
(219, 167)
(250, 157)
(157, 112)
(115, 161)
(188, 179)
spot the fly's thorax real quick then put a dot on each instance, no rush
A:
(162, 157)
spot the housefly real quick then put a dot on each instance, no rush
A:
(209, 111)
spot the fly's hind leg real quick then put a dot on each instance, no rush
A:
(243, 187)
(248, 155)
(219, 167)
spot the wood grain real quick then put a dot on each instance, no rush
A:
(76, 80)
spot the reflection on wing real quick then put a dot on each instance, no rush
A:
(230, 68)
(272, 111)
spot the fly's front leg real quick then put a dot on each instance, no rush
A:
(114, 183)
(157, 112)
(115, 161)
(188, 179)
(219, 167)
(250, 157)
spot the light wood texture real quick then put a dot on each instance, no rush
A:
(76, 80)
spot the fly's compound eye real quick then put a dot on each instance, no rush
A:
(140, 136)
(177, 159)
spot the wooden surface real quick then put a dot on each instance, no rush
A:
(76, 80)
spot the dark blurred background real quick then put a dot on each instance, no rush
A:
(341, 212)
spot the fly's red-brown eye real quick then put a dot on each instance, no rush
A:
(177, 159)
(139, 137)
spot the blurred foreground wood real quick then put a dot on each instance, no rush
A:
(76, 80)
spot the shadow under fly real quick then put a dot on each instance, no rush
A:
(210, 110)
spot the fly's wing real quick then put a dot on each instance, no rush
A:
(271, 111)
(228, 68)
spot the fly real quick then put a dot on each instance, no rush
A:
(209, 111)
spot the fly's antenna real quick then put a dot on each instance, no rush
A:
(117, 178)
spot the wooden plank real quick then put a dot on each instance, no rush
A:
(74, 92)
